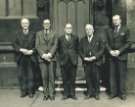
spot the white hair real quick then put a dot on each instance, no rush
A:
(116, 17)
(89, 26)
(25, 19)
(46, 21)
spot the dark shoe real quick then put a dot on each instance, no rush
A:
(112, 96)
(23, 95)
(97, 97)
(64, 98)
(45, 98)
(31, 95)
(74, 97)
(52, 98)
(88, 97)
(123, 97)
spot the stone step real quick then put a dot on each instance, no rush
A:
(77, 89)
(57, 82)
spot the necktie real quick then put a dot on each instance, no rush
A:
(68, 37)
(116, 29)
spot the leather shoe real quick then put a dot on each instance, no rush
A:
(64, 98)
(97, 97)
(31, 95)
(88, 97)
(123, 97)
(23, 95)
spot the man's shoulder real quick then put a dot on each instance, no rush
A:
(61, 37)
(125, 28)
(40, 31)
(83, 38)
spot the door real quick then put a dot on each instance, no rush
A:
(76, 12)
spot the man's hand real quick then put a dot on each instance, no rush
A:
(90, 59)
(29, 52)
(49, 55)
(26, 51)
(23, 50)
(86, 59)
(115, 53)
(46, 57)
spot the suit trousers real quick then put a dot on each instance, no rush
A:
(26, 75)
(48, 77)
(69, 75)
(92, 78)
(117, 79)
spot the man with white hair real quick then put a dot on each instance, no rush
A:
(118, 45)
(91, 52)
(25, 48)
(68, 55)
(46, 45)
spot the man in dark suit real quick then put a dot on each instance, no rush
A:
(118, 44)
(25, 48)
(46, 44)
(91, 52)
(68, 56)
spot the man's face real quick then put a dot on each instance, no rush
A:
(116, 20)
(89, 29)
(46, 24)
(68, 29)
(25, 23)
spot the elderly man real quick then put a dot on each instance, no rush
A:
(25, 48)
(118, 44)
(68, 55)
(91, 52)
(46, 44)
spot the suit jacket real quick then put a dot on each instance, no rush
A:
(94, 48)
(68, 50)
(27, 42)
(45, 44)
(119, 41)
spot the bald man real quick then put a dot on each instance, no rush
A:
(91, 52)
(118, 45)
(68, 55)
(46, 45)
(25, 48)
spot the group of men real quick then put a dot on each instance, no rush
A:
(68, 48)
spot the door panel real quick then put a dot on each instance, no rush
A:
(76, 12)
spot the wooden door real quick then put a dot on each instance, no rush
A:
(76, 12)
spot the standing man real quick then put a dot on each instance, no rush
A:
(46, 44)
(118, 44)
(91, 52)
(68, 54)
(25, 48)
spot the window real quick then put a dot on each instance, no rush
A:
(18, 8)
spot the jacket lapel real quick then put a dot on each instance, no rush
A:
(44, 36)
(92, 43)
(117, 34)
(67, 43)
